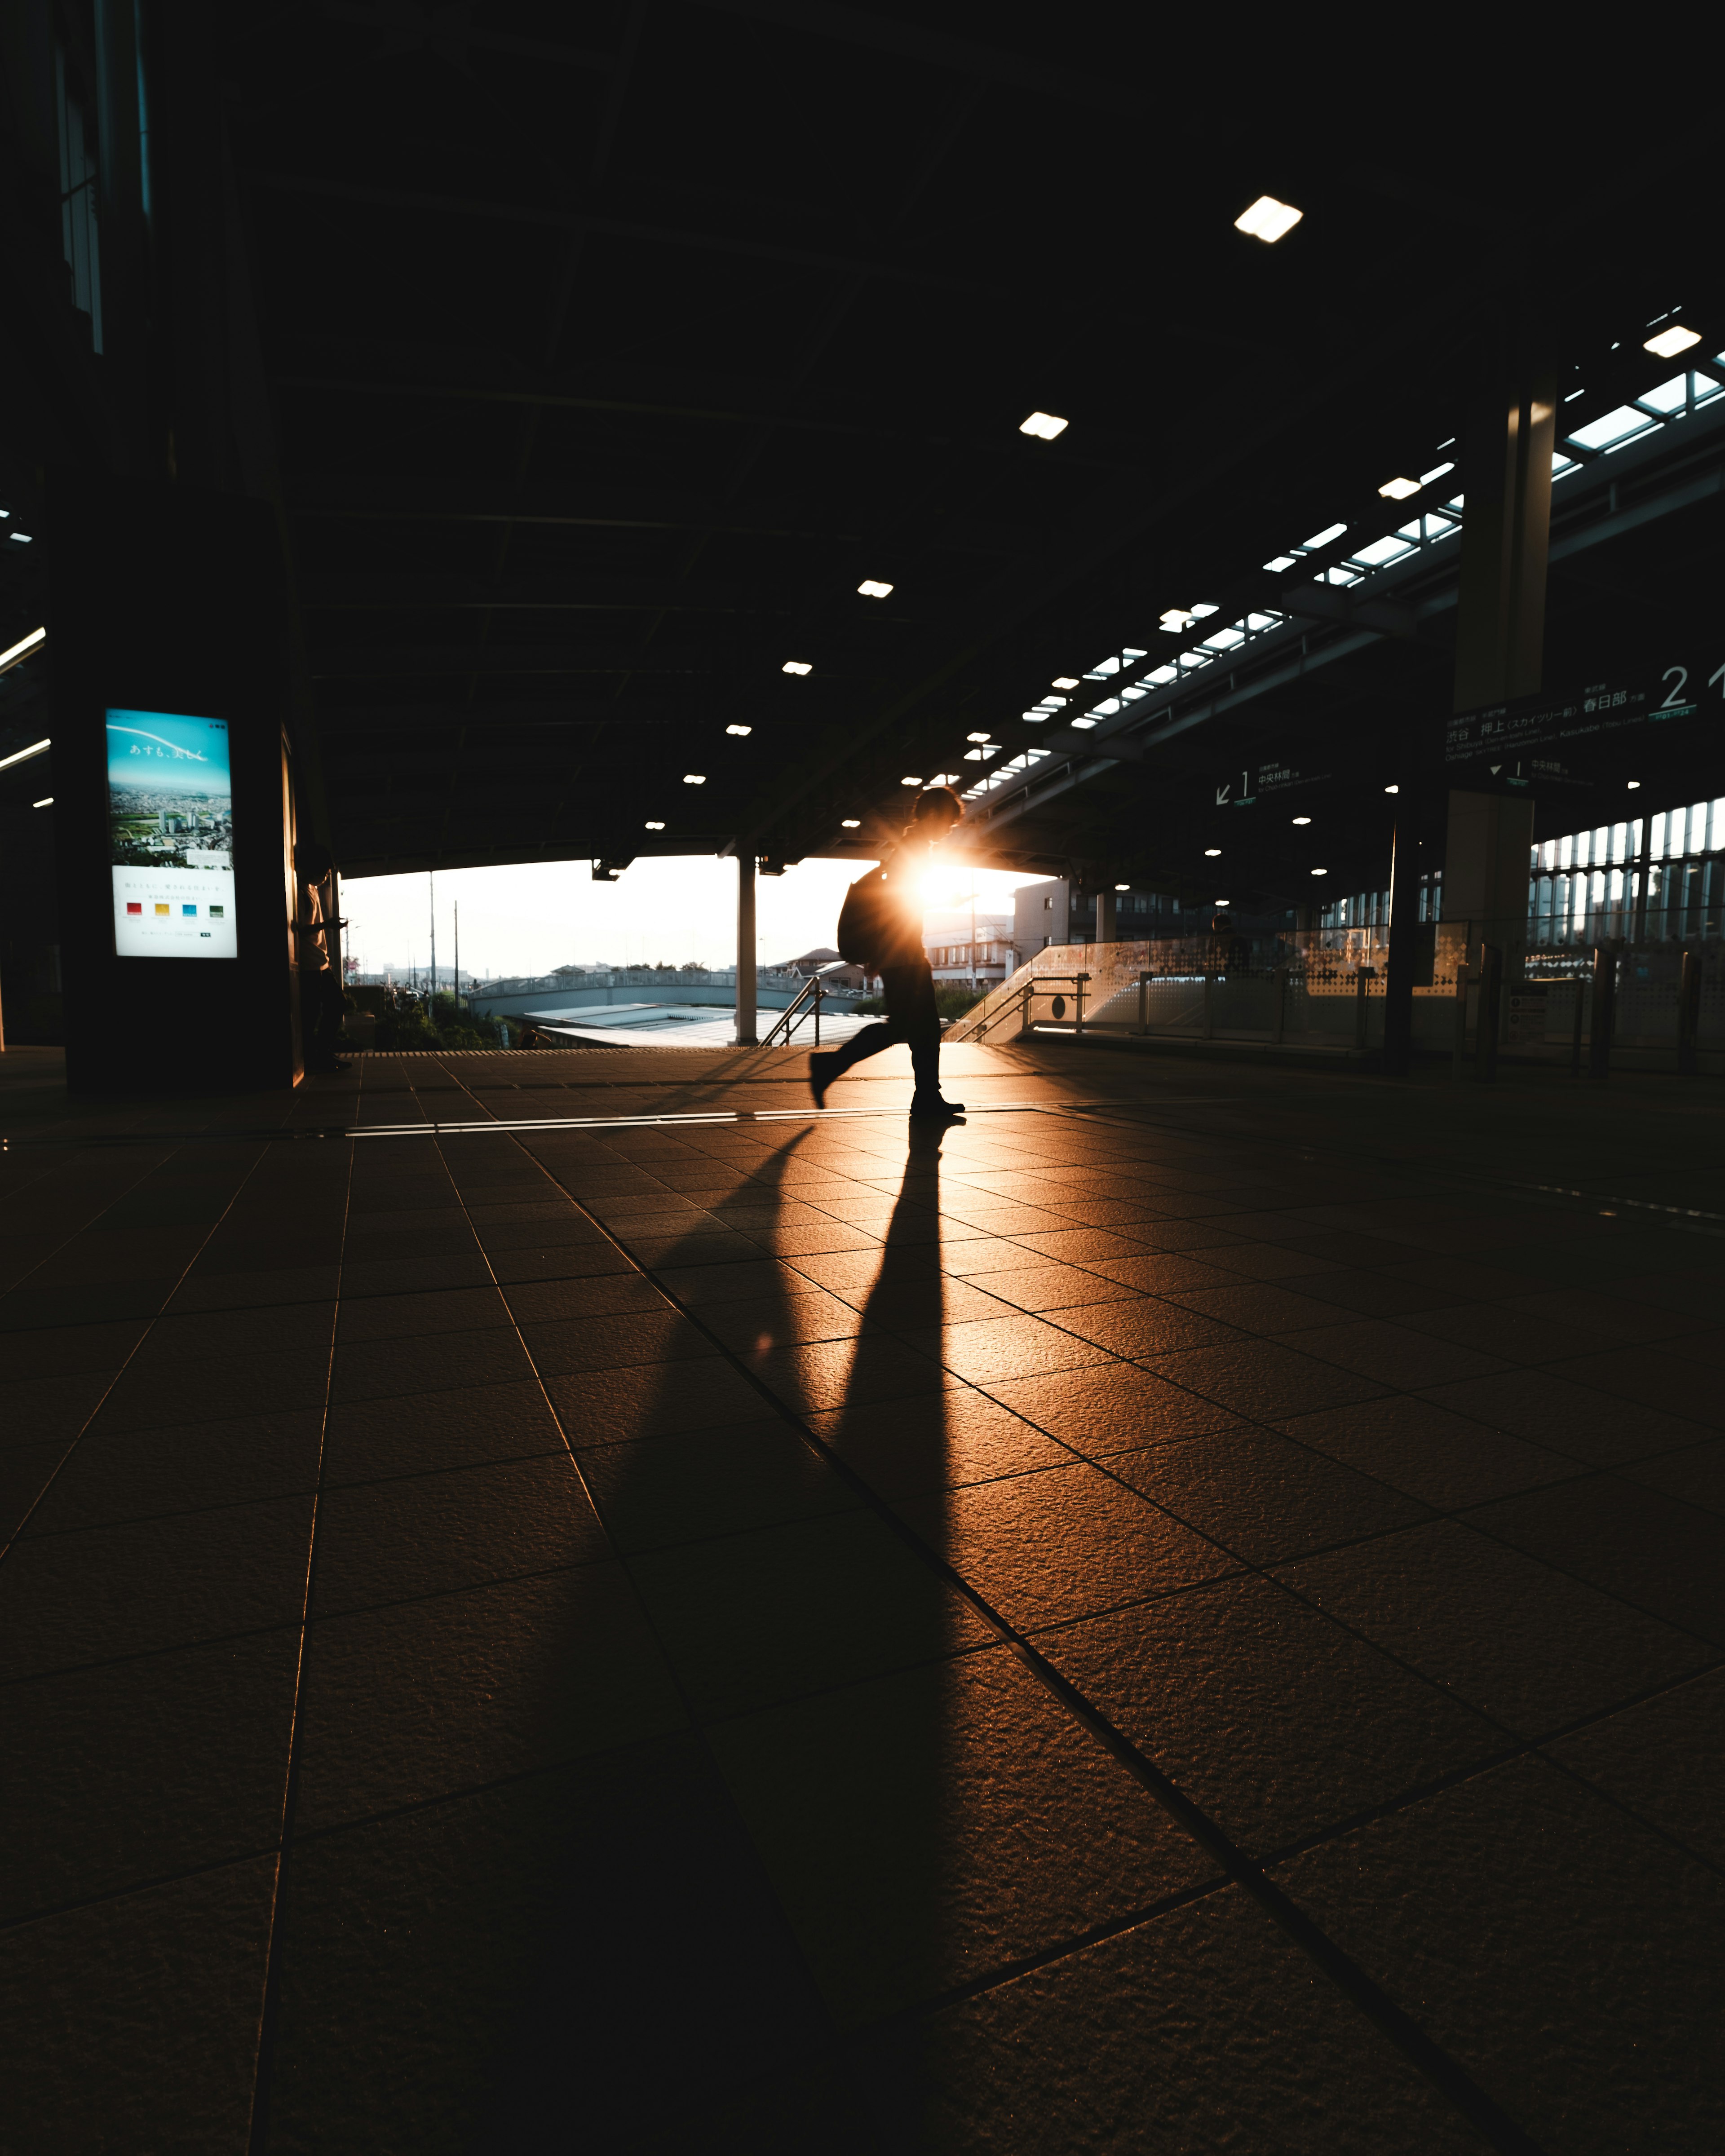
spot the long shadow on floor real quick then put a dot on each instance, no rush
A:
(730, 1901)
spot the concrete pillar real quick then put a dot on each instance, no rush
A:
(1402, 957)
(1485, 870)
(1500, 627)
(1106, 933)
(746, 950)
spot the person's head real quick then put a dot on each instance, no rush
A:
(312, 861)
(936, 812)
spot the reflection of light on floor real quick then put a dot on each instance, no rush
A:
(764, 1342)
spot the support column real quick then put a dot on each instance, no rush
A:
(1106, 933)
(1499, 640)
(1401, 958)
(746, 950)
(1500, 627)
(1486, 871)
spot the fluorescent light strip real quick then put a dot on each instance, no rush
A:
(23, 649)
(24, 755)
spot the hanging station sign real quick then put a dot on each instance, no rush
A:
(1266, 781)
(1502, 735)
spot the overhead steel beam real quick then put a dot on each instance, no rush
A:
(1140, 744)
(416, 499)
(450, 33)
(553, 397)
(544, 217)
(363, 660)
(364, 592)
(909, 40)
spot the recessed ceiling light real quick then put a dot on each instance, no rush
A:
(1669, 342)
(1122, 886)
(1635, 786)
(1176, 619)
(979, 737)
(694, 778)
(1320, 872)
(1200, 607)
(1221, 901)
(1282, 562)
(910, 782)
(739, 730)
(1302, 819)
(20, 538)
(1044, 425)
(1064, 681)
(872, 588)
(652, 826)
(1392, 789)
(1212, 852)
(1437, 471)
(1398, 489)
(46, 802)
(1323, 538)
(796, 666)
(851, 824)
(1268, 220)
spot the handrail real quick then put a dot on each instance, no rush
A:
(788, 1018)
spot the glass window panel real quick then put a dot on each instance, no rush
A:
(1613, 428)
(1669, 396)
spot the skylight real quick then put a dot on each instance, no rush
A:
(1670, 397)
(1283, 561)
(1389, 549)
(1614, 429)
(1323, 538)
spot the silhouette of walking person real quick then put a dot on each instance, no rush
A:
(881, 928)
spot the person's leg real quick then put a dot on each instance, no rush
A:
(917, 1018)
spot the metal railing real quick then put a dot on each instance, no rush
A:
(812, 994)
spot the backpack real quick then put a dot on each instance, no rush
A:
(869, 926)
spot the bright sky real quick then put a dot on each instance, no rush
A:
(530, 918)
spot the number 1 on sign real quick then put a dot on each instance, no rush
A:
(1717, 680)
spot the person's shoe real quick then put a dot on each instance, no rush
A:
(937, 1109)
(821, 1074)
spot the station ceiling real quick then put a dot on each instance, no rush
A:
(611, 349)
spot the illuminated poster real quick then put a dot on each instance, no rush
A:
(171, 831)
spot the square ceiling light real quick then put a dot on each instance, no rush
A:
(1398, 489)
(797, 666)
(1044, 425)
(1669, 342)
(694, 778)
(739, 730)
(1268, 220)
(851, 824)
(1064, 681)
(872, 588)
(652, 826)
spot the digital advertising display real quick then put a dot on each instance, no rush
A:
(171, 833)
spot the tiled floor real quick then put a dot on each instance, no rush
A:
(1183, 1612)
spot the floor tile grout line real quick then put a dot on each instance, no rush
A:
(270, 1991)
(1445, 2072)
(695, 1726)
(16, 1531)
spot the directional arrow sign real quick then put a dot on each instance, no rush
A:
(1222, 794)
